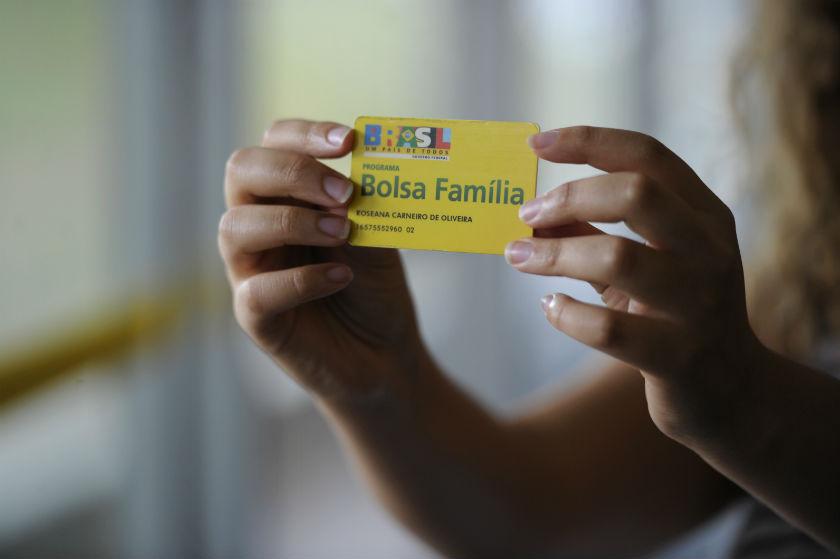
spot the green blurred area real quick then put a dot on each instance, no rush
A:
(55, 161)
(382, 57)
(53, 67)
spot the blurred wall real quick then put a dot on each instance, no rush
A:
(115, 122)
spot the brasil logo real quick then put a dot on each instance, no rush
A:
(408, 142)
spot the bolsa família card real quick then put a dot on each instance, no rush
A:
(453, 185)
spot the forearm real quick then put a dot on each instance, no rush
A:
(586, 473)
(440, 462)
(785, 446)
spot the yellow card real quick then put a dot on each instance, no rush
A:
(431, 184)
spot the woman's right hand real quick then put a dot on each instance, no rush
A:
(339, 319)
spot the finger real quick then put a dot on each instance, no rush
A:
(653, 277)
(245, 230)
(643, 342)
(615, 298)
(257, 172)
(318, 139)
(265, 296)
(567, 230)
(656, 213)
(571, 230)
(615, 150)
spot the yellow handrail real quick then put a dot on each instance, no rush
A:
(104, 335)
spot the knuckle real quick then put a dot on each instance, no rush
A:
(270, 131)
(579, 134)
(301, 132)
(620, 258)
(316, 133)
(236, 162)
(308, 136)
(248, 299)
(607, 331)
(228, 224)
(561, 197)
(235, 168)
(549, 255)
(640, 191)
(286, 219)
(298, 284)
(577, 137)
(293, 169)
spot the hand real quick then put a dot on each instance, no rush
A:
(339, 319)
(675, 305)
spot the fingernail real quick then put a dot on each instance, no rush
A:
(518, 252)
(546, 302)
(335, 226)
(543, 139)
(337, 188)
(336, 135)
(530, 209)
(339, 274)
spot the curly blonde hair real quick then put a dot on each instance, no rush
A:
(794, 57)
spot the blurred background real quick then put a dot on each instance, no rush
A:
(136, 420)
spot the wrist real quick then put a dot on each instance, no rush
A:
(718, 413)
(407, 377)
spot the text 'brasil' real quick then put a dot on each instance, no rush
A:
(408, 142)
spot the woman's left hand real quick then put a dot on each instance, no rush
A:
(675, 305)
